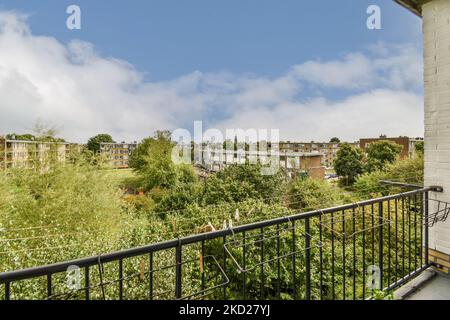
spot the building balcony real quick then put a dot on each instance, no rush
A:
(354, 251)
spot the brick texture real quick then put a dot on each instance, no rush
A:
(436, 29)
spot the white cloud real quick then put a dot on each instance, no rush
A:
(84, 93)
(398, 67)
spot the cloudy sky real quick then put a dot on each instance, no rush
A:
(311, 69)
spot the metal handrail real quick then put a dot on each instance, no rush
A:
(128, 253)
(378, 210)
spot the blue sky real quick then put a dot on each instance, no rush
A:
(228, 63)
(168, 38)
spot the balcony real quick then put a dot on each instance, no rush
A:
(356, 251)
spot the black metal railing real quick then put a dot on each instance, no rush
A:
(344, 252)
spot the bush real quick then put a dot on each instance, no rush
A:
(75, 208)
(240, 182)
(310, 194)
(406, 171)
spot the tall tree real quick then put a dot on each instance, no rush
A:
(93, 143)
(349, 163)
(381, 153)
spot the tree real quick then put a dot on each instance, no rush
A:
(349, 163)
(419, 147)
(93, 143)
(335, 140)
(381, 153)
(311, 194)
(138, 157)
(237, 183)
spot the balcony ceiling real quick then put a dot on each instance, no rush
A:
(414, 6)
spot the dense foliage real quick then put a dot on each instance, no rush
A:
(93, 143)
(79, 209)
(349, 163)
(381, 153)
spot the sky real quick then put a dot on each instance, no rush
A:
(311, 69)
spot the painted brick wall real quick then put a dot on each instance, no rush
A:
(436, 29)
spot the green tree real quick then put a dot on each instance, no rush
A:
(381, 153)
(419, 147)
(349, 163)
(407, 171)
(143, 150)
(335, 140)
(93, 143)
(311, 194)
(237, 183)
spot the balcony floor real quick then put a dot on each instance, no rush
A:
(438, 288)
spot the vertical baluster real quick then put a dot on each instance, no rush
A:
(421, 229)
(403, 237)
(389, 243)
(354, 252)
(308, 259)
(321, 257)
(396, 240)
(380, 248)
(261, 285)
(203, 265)
(415, 231)
(427, 262)
(294, 249)
(150, 293)
(224, 293)
(343, 254)
(120, 279)
(178, 289)
(409, 234)
(332, 257)
(364, 252)
(7, 291)
(86, 283)
(49, 286)
(278, 264)
(373, 233)
(244, 277)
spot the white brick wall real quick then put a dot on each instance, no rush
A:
(436, 29)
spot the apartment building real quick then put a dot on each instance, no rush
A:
(408, 144)
(118, 154)
(302, 163)
(25, 154)
(327, 149)
(293, 163)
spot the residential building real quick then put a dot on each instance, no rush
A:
(118, 154)
(293, 163)
(25, 154)
(327, 149)
(408, 144)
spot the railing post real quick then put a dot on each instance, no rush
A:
(49, 286)
(7, 291)
(178, 272)
(308, 259)
(426, 228)
(380, 245)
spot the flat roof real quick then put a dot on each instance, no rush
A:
(34, 141)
